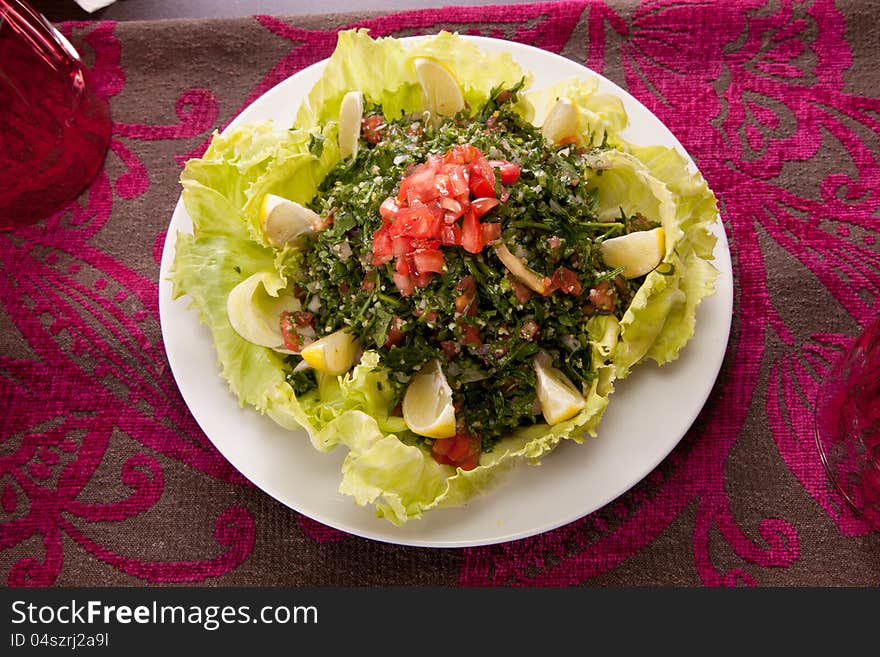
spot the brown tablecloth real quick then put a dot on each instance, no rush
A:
(105, 479)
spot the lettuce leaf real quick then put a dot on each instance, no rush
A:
(601, 116)
(655, 181)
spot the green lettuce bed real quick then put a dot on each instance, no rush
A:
(222, 191)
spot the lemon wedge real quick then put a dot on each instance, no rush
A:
(255, 314)
(559, 399)
(351, 111)
(284, 220)
(638, 252)
(440, 91)
(427, 403)
(333, 354)
(561, 122)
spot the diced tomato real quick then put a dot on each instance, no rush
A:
(288, 332)
(452, 207)
(424, 215)
(428, 260)
(481, 186)
(470, 335)
(602, 296)
(394, 334)
(450, 348)
(373, 128)
(566, 281)
(420, 183)
(389, 208)
(303, 318)
(522, 292)
(471, 236)
(458, 178)
(490, 232)
(442, 185)
(400, 246)
(461, 450)
(403, 283)
(483, 205)
(450, 235)
(420, 279)
(465, 300)
(480, 167)
(382, 246)
(508, 171)
(442, 446)
(470, 462)
(418, 243)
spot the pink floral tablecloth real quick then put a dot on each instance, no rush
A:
(105, 478)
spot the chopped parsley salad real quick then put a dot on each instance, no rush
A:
(438, 267)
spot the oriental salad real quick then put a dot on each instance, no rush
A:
(440, 268)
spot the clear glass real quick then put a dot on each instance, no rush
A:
(54, 130)
(848, 424)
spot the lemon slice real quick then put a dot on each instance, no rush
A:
(283, 220)
(440, 91)
(255, 314)
(559, 399)
(427, 403)
(638, 252)
(561, 122)
(333, 354)
(351, 111)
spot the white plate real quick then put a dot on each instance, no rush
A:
(648, 414)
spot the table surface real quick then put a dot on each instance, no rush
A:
(106, 479)
(128, 10)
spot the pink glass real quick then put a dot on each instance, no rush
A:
(848, 424)
(54, 130)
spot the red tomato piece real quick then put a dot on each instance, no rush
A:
(483, 205)
(490, 232)
(470, 335)
(452, 207)
(420, 279)
(481, 186)
(403, 283)
(401, 246)
(458, 178)
(565, 280)
(602, 296)
(401, 265)
(288, 332)
(382, 246)
(428, 260)
(522, 292)
(442, 446)
(389, 208)
(471, 236)
(468, 288)
(450, 235)
(443, 185)
(373, 128)
(394, 334)
(508, 171)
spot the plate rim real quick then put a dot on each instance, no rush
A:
(723, 297)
